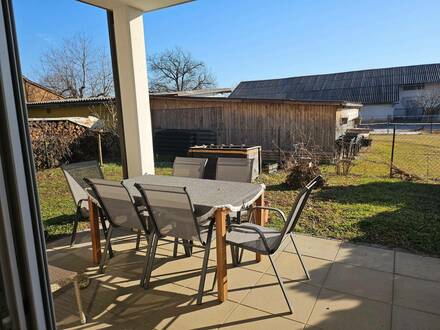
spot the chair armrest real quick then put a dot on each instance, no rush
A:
(80, 202)
(254, 229)
(281, 213)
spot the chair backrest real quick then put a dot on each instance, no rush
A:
(117, 204)
(234, 169)
(299, 204)
(296, 210)
(189, 167)
(75, 174)
(171, 211)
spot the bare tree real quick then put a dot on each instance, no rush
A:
(108, 117)
(176, 70)
(77, 69)
(428, 101)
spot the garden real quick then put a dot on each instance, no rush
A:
(364, 206)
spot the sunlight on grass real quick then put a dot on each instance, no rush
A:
(364, 206)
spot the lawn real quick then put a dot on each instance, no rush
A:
(365, 206)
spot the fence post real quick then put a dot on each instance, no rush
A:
(431, 122)
(388, 124)
(392, 152)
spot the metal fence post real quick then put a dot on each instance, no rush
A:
(388, 124)
(392, 152)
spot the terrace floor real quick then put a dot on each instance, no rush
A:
(351, 287)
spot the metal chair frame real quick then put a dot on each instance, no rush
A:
(288, 229)
(156, 235)
(107, 246)
(66, 168)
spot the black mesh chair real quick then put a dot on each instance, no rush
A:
(172, 214)
(234, 169)
(75, 174)
(267, 241)
(119, 209)
(189, 167)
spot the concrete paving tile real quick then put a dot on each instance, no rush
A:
(267, 296)
(365, 256)
(248, 318)
(409, 264)
(289, 267)
(418, 294)
(315, 247)
(404, 319)
(360, 281)
(341, 311)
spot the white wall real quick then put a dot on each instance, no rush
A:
(351, 114)
(376, 112)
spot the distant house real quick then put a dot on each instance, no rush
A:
(383, 92)
(35, 92)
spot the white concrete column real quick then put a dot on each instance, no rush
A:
(135, 100)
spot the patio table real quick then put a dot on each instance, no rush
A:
(210, 198)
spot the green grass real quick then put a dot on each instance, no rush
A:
(365, 206)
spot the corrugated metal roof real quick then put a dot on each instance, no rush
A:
(373, 86)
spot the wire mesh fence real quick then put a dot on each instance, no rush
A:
(415, 152)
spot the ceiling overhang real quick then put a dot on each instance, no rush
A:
(142, 5)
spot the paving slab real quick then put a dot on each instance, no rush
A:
(405, 319)
(360, 281)
(339, 311)
(267, 297)
(409, 264)
(418, 294)
(366, 256)
(315, 247)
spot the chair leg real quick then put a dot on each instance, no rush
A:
(240, 255)
(280, 281)
(147, 258)
(105, 231)
(82, 316)
(138, 240)
(187, 245)
(176, 245)
(205, 264)
(153, 246)
(75, 227)
(106, 249)
(299, 256)
(233, 255)
(215, 278)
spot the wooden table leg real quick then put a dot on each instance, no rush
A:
(260, 219)
(94, 231)
(222, 276)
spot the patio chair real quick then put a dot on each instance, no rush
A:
(189, 167)
(234, 169)
(267, 241)
(237, 170)
(75, 174)
(172, 214)
(119, 209)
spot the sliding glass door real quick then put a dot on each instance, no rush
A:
(27, 301)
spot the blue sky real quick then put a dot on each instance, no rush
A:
(255, 39)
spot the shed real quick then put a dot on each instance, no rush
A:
(264, 122)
